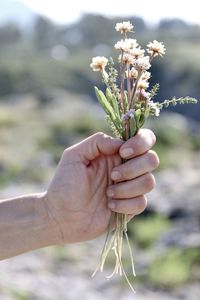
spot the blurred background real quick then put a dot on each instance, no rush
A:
(47, 103)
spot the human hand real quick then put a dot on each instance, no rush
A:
(82, 194)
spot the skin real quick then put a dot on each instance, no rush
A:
(82, 194)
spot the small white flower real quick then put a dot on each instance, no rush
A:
(143, 84)
(125, 45)
(126, 58)
(142, 63)
(137, 52)
(124, 27)
(156, 48)
(132, 42)
(133, 74)
(146, 75)
(98, 63)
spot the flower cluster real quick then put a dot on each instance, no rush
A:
(127, 106)
(134, 75)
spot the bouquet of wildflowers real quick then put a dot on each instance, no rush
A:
(127, 103)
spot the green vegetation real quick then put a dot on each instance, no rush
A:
(146, 229)
(49, 56)
(175, 267)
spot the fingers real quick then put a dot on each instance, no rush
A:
(136, 167)
(131, 207)
(132, 188)
(94, 146)
(138, 145)
(133, 178)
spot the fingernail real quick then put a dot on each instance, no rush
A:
(112, 205)
(110, 193)
(115, 175)
(127, 152)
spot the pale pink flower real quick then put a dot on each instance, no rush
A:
(156, 48)
(98, 63)
(124, 27)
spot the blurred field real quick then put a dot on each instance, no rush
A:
(47, 103)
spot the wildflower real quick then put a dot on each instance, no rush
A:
(156, 48)
(146, 75)
(142, 63)
(98, 63)
(124, 27)
(145, 94)
(137, 52)
(133, 73)
(126, 58)
(128, 115)
(143, 84)
(132, 42)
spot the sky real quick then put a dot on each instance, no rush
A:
(66, 11)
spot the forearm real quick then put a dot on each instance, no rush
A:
(25, 225)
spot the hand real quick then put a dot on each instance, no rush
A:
(82, 194)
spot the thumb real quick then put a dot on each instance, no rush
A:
(96, 145)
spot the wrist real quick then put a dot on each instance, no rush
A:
(54, 227)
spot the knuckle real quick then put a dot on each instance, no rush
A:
(120, 191)
(149, 181)
(125, 172)
(99, 134)
(153, 159)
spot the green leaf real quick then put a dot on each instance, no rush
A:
(108, 109)
(139, 119)
(113, 101)
(133, 127)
